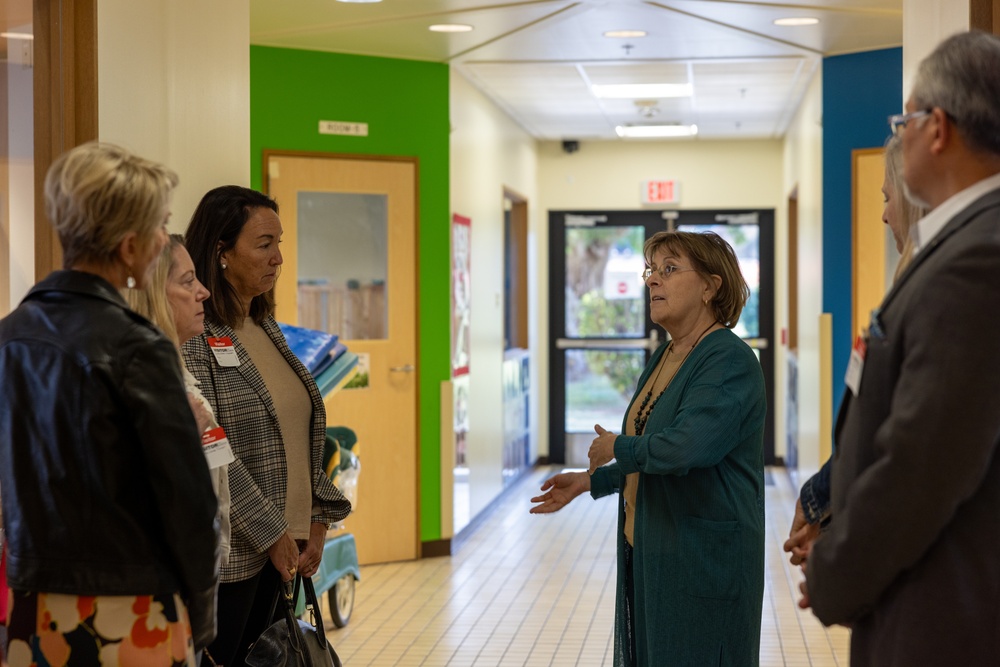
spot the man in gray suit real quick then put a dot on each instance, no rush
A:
(911, 559)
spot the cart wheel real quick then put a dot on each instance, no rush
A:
(342, 600)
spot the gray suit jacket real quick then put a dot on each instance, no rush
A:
(912, 556)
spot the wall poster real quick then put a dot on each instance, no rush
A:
(461, 228)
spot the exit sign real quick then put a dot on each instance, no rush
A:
(660, 192)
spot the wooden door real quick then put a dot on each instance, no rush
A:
(353, 219)
(871, 239)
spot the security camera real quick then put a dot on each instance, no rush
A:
(570, 146)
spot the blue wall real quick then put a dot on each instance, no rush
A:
(859, 92)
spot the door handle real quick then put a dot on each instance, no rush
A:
(407, 368)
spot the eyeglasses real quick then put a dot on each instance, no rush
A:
(663, 271)
(898, 121)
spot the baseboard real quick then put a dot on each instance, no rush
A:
(435, 548)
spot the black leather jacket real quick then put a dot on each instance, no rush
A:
(105, 489)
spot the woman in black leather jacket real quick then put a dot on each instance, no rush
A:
(107, 501)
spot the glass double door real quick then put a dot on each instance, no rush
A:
(602, 336)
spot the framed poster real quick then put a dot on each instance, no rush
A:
(460, 295)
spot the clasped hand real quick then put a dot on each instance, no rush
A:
(602, 449)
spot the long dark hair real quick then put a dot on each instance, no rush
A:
(214, 228)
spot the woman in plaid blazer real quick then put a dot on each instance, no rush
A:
(282, 503)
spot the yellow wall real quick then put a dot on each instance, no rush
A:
(488, 152)
(174, 86)
(803, 162)
(607, 175)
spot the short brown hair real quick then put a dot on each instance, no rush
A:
(214, 228)
(97, 193)
(710, 255)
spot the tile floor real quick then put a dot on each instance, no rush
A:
(531, 590)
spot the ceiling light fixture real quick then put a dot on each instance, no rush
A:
(642, 90)
(450, 27)
(17, 35)
(655, 131)
(625, 33)
(796, 21)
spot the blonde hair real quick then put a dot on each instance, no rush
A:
(709, 255)
(908, 211)
(151, 301)
(97, 193)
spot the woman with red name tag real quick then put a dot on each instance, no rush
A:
(174, 301)
(282, 502)
(107, 501)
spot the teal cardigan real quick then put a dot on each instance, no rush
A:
(698, 558)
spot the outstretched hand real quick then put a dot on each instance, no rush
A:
(559, 491)
(602, 449)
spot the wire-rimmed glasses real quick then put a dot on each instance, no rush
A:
(663, 271)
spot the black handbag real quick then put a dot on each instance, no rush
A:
(292, 642)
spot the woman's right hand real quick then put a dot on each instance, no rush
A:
(284, 556)
(559, 491)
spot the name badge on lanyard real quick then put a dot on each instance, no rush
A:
(225, 353)
(215, 444)
(856, 365)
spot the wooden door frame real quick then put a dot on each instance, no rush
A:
(519, 237)
(65, 99)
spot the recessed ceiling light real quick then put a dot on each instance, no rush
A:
(625, 33)
(17, 35)
(797, 20)
(642, 90)
(450, 27)
(655, 131)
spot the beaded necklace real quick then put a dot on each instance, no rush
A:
(642, 417)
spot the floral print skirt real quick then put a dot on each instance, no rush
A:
(53, 630)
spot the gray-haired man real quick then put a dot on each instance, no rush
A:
(912, 558)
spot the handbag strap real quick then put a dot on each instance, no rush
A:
(313, 603)
(285, 594)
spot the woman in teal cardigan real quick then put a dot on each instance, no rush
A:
(689, 469)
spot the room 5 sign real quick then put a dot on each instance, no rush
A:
(342, 128)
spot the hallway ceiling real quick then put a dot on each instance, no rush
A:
(537, 59)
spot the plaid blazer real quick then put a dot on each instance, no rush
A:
(258, 478)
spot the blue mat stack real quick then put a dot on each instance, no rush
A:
(327, 358)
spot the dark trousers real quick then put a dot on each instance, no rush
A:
(244, 613)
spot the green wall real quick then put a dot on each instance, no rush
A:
(405, 104)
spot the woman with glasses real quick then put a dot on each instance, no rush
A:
(281, 501)
(689, 468)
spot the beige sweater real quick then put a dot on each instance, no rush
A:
(294, 409)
